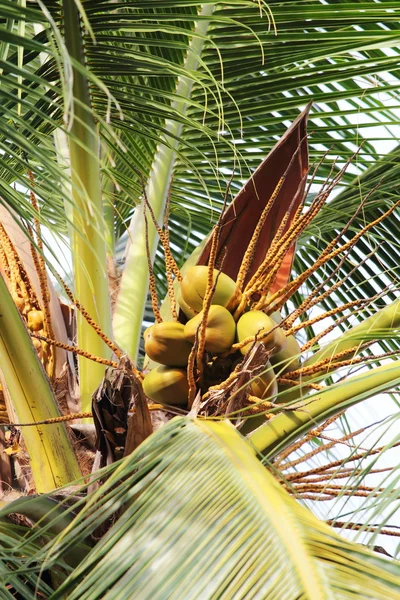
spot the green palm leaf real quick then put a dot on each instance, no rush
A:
(342, 54)
(13, 576)
(247, 537)
(262, 72)
(257, 82)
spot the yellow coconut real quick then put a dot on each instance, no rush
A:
(167, 385)
(37, 344)
(265, 385)
(220, 330)
(165, 343)
(287, 359)
(256, 323)
(194, 285)
(35, 320)
(189, 312)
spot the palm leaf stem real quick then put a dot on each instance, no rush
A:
(383, 321)
(52, 458)
(88, 240)
(273, 436)
(135, 278)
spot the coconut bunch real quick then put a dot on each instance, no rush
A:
(226, 304)
(227, 338)
(227, 350)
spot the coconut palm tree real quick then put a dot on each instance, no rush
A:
(126, 130)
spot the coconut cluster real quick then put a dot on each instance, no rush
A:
(169, 343)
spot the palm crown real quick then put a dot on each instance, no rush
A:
(113, 115)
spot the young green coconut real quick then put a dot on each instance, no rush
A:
(287, 359)
(256, 323)
(220, 329)
(167, 385)
(193, 289)
(165, 343)
(189, 312)
(265, 386)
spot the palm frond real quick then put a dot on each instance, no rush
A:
(247, 538)
(254, 77)
(13, 576)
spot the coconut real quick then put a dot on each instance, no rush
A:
(167, 385)
(193, 289)
(165, 343)
(265, 386)
(256, 323)
(287, 359)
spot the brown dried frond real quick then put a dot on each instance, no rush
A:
(249, 254)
